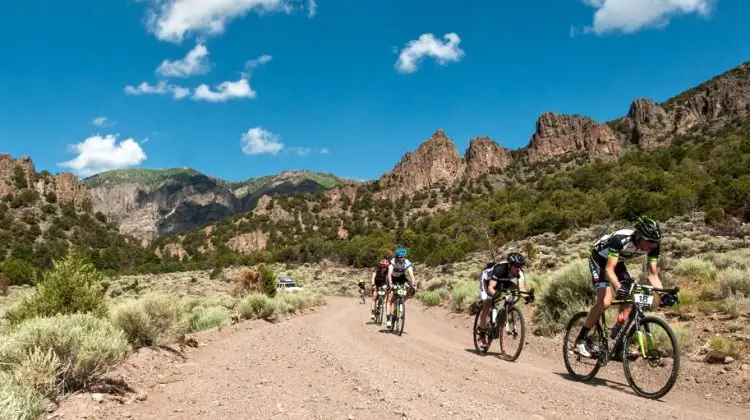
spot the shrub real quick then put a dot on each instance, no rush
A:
(203, 318)
(86, 347)
(4, 283)
(256, 306)
(268, 279)
(71, 286)
(464, 294)
(39, 371)
(733, 281)
(566, 292)
(215, 273)
(695, 269)
(731, 306)
(154, 320)
(248, 280)
(739, 258)
(430, 298)
(19, 402)
(18, 272)
(720, 348)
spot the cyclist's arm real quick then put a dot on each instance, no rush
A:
(653, 277)
(491, 287)
(389, 277)
(609, 269)
(410, 277)
(372, 281)
(521, 282)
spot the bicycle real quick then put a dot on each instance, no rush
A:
(399, 309)
(380, 305)
(648, 344)
(511, 316)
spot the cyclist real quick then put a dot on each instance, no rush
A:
(379, 279)
(607, 266)
(400, 271)
(498, 274)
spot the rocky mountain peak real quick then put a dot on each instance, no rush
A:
(484, 154)
(557, 135)
(648, 121)
(435, 161)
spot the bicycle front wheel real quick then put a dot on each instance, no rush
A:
(651, 359)
(399, 328)
(514, 334)
(579, 367)
(379, 310)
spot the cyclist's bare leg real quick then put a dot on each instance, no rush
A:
(374, 296)
(486, 306)
(603, 301)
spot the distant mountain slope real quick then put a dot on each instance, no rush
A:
(150, 202)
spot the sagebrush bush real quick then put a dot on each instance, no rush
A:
(4, 283)
(154, 320)
(695, 269)
(203, 318)
(85, 346)
(464, 294)
(71, 286)
(731, 306)
(256, 306)
(739, 258)
(734, 281)
(19, 402)
(720, 347)
(564, 293)
(39, 371)
(18, 272)
(268, 280)
(430, 298)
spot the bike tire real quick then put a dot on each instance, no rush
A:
(522, 336)
(380, 308)
(675, 360)
(567, 352)
(402, 318)
(488, 336)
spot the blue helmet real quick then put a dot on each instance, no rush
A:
(401, 252)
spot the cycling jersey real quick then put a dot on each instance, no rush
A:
(381, 275)
(620, 244)
(499, 272)
(399, 269)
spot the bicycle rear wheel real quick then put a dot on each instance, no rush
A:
(515, 333)
(487, 335)
(662, 358)
(579, 367)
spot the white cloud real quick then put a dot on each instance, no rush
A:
(324, 151)
(97, 154)
(312, 8)
(428, 46)
(629, 16)
(195, 62)
(258, 141)
(225, 91)
(172, 20)
(102, 122)
(301, 151)
(257, 62)
(162, 88)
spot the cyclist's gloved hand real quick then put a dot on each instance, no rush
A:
(667, 299)
(623, 291)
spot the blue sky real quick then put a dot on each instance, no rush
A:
(243, 88)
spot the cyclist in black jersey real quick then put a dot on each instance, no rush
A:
(498, 276)
(400, 271)
(607, 267)
(379, 279)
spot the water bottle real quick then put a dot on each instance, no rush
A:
(617, 326)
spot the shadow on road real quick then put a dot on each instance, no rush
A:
(489, 353)
(619, 386)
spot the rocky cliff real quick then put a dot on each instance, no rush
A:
(558, 135)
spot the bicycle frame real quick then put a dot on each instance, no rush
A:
(507, 303)
(636, 315)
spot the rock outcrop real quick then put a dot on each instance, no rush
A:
(483, 155)
(558, 135)
(248, 242)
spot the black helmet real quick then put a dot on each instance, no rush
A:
(516, 258)
(648, 229)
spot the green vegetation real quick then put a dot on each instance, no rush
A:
(153, 320)
(151, 178)
(562, 294)
(71, 286)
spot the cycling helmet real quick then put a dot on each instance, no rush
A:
(401, 252)
(384, 263)
(516, 258)
(648, 229)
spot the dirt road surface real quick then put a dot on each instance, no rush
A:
(334, 364)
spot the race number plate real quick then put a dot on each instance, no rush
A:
(643, 299)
